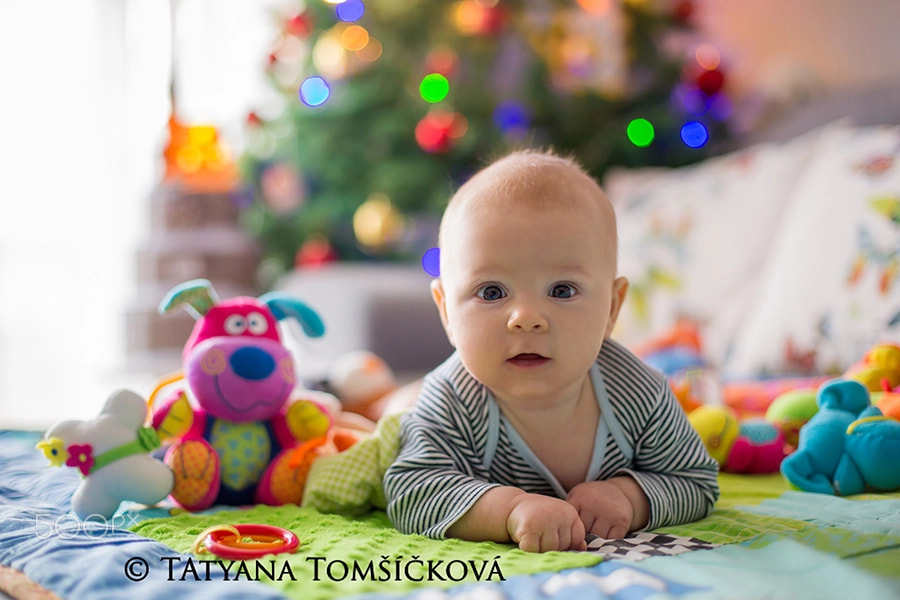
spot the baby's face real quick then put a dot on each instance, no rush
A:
(528, 290)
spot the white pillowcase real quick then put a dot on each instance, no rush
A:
(695, 241)
(830, 287)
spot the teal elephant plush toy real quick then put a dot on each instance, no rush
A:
(847, 447)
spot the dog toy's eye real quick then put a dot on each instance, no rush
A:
(257, 323)
(235, 325)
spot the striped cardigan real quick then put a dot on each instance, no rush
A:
(456, 445)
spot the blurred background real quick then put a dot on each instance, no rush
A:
(148, 142)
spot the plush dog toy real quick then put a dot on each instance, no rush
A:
(847, 447)
(237, 431)
(113, 454)
(748, 446)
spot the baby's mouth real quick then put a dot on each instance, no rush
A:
(528, 359)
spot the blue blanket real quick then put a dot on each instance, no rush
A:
(763, 542)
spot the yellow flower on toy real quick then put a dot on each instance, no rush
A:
(55, 451)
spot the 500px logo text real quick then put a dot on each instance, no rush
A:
(68, 526)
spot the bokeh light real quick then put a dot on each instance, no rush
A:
(711, 81)
(316, 251)
(377, 222)
(720, 107)
(431, 262)
(314, 91)
(430, 137)
(470, 16)
(371, 52)
(696, 102)
(434, 87)
(282, 188)
(443, 60)
(595, 7)
(577, 53)
(437, 129)
(354, 38)
(511, 117)
(694, 134)
(640, 132)
(707, 57)
(350, 10)
(198, 149)
(329, 55)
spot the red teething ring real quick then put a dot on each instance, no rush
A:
(267, 539)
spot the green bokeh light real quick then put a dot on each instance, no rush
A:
(640, 132)
(434, 87)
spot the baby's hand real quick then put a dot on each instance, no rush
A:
(605, 508)
(541, 523)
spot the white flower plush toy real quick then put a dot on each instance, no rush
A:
(113, 454)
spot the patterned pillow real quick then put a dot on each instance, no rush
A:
(694, 241)
(830, 287)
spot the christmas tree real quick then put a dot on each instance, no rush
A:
(389, 106)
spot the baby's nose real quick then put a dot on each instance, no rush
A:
(526, 317)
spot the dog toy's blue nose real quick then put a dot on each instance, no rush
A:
(252, 363)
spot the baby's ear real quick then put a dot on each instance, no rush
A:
(619, 291)
(440, 300)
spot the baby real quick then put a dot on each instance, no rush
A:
(539, 428)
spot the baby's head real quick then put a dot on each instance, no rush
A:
(528, 246)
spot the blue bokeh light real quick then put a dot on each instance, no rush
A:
(696, 102)
(694, 134)
(350, 10)
(314, 91)
(720, 107)
(510, 116)
(431, 262)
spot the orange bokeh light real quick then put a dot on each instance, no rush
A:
(371, 52)
(595, 7)
(470, 16)
(195, 156)
(354, 38)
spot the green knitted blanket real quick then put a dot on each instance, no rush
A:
(341, 556)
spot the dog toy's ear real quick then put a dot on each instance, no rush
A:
(284, 306)
(197, 296)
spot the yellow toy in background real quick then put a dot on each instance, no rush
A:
(718, 428)
(879, 367)
(790, 411)
(739, 446)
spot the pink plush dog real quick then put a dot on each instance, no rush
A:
(237, 434)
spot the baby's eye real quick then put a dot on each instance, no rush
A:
(491, 293)
(562, 290)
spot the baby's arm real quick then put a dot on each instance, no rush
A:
(432, 490)
(671, 466)
(536, 523)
